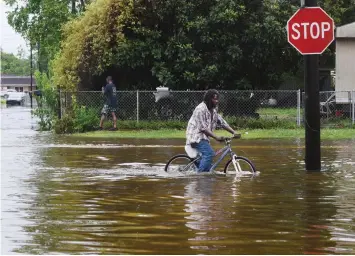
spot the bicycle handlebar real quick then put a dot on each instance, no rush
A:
(237, 136)
(229, 139)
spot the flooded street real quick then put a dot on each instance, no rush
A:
(61, 194)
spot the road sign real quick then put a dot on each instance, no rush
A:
(310, 30)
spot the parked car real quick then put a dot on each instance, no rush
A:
(5, 94)
(15, 98)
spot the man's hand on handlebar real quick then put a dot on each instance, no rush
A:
(222, 138)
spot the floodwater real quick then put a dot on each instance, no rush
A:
(61, 194)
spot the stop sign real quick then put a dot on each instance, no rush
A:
(310, 30)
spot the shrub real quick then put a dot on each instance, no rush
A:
(47, 101)
(46, 118)
(81, 119)
(152, 125)
(86, 119)
(65, 124)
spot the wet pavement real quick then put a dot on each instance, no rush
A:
(61, 194)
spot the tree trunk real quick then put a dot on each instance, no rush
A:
(73, 9)
(82, 5)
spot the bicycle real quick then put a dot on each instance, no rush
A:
(236, 164)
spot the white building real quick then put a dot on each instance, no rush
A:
(18, 83)
(345, 62)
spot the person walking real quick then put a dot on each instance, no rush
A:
(110, 106)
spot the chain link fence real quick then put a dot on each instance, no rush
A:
(167, 105)
(337, 109)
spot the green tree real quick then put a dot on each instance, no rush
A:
(229, 44)
(40, 22)
(178, 43)
(12, 65)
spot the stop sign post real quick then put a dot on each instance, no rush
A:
(310, 30)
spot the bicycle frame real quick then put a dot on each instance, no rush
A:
(225, 151)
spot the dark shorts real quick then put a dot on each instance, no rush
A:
(107, 110)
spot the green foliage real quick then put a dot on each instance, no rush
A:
(327, 134)
(12, 65)
(235, 122)
(268, 123)
(338, 122)
(229, 44)
(46, 117)
(47, 103)
(86, 119)
(40, 22)
(150, 125)
(283, 113)
(89, 43)
(81, 119)
(342, 11)
(65, 124)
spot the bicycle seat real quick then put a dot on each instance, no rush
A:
(191, 152)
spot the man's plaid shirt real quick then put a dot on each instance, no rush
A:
(201, 120)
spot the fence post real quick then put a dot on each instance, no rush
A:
(137, 106)
(353, 106)
(299, 107)
(59, 104)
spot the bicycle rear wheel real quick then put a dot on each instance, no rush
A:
(180, 163)
(245, 165)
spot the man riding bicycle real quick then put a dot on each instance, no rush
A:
(201, 125)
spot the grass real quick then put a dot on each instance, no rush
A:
(331, 134)
(281, 113)
(273, 123)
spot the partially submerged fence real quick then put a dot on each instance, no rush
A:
(336, 108)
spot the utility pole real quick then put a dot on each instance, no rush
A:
(31, 65)
(312, 112)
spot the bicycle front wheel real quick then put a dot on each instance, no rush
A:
(180, 163)
(243, 163)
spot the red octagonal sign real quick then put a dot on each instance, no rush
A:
(310, 30)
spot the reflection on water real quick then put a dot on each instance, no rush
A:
(66, 195)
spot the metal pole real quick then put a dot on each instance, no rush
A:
(312, 111)
(38, 58)
(299, 107)
(31, 67)
(59, 104)
(353, 107)
(137, 106)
